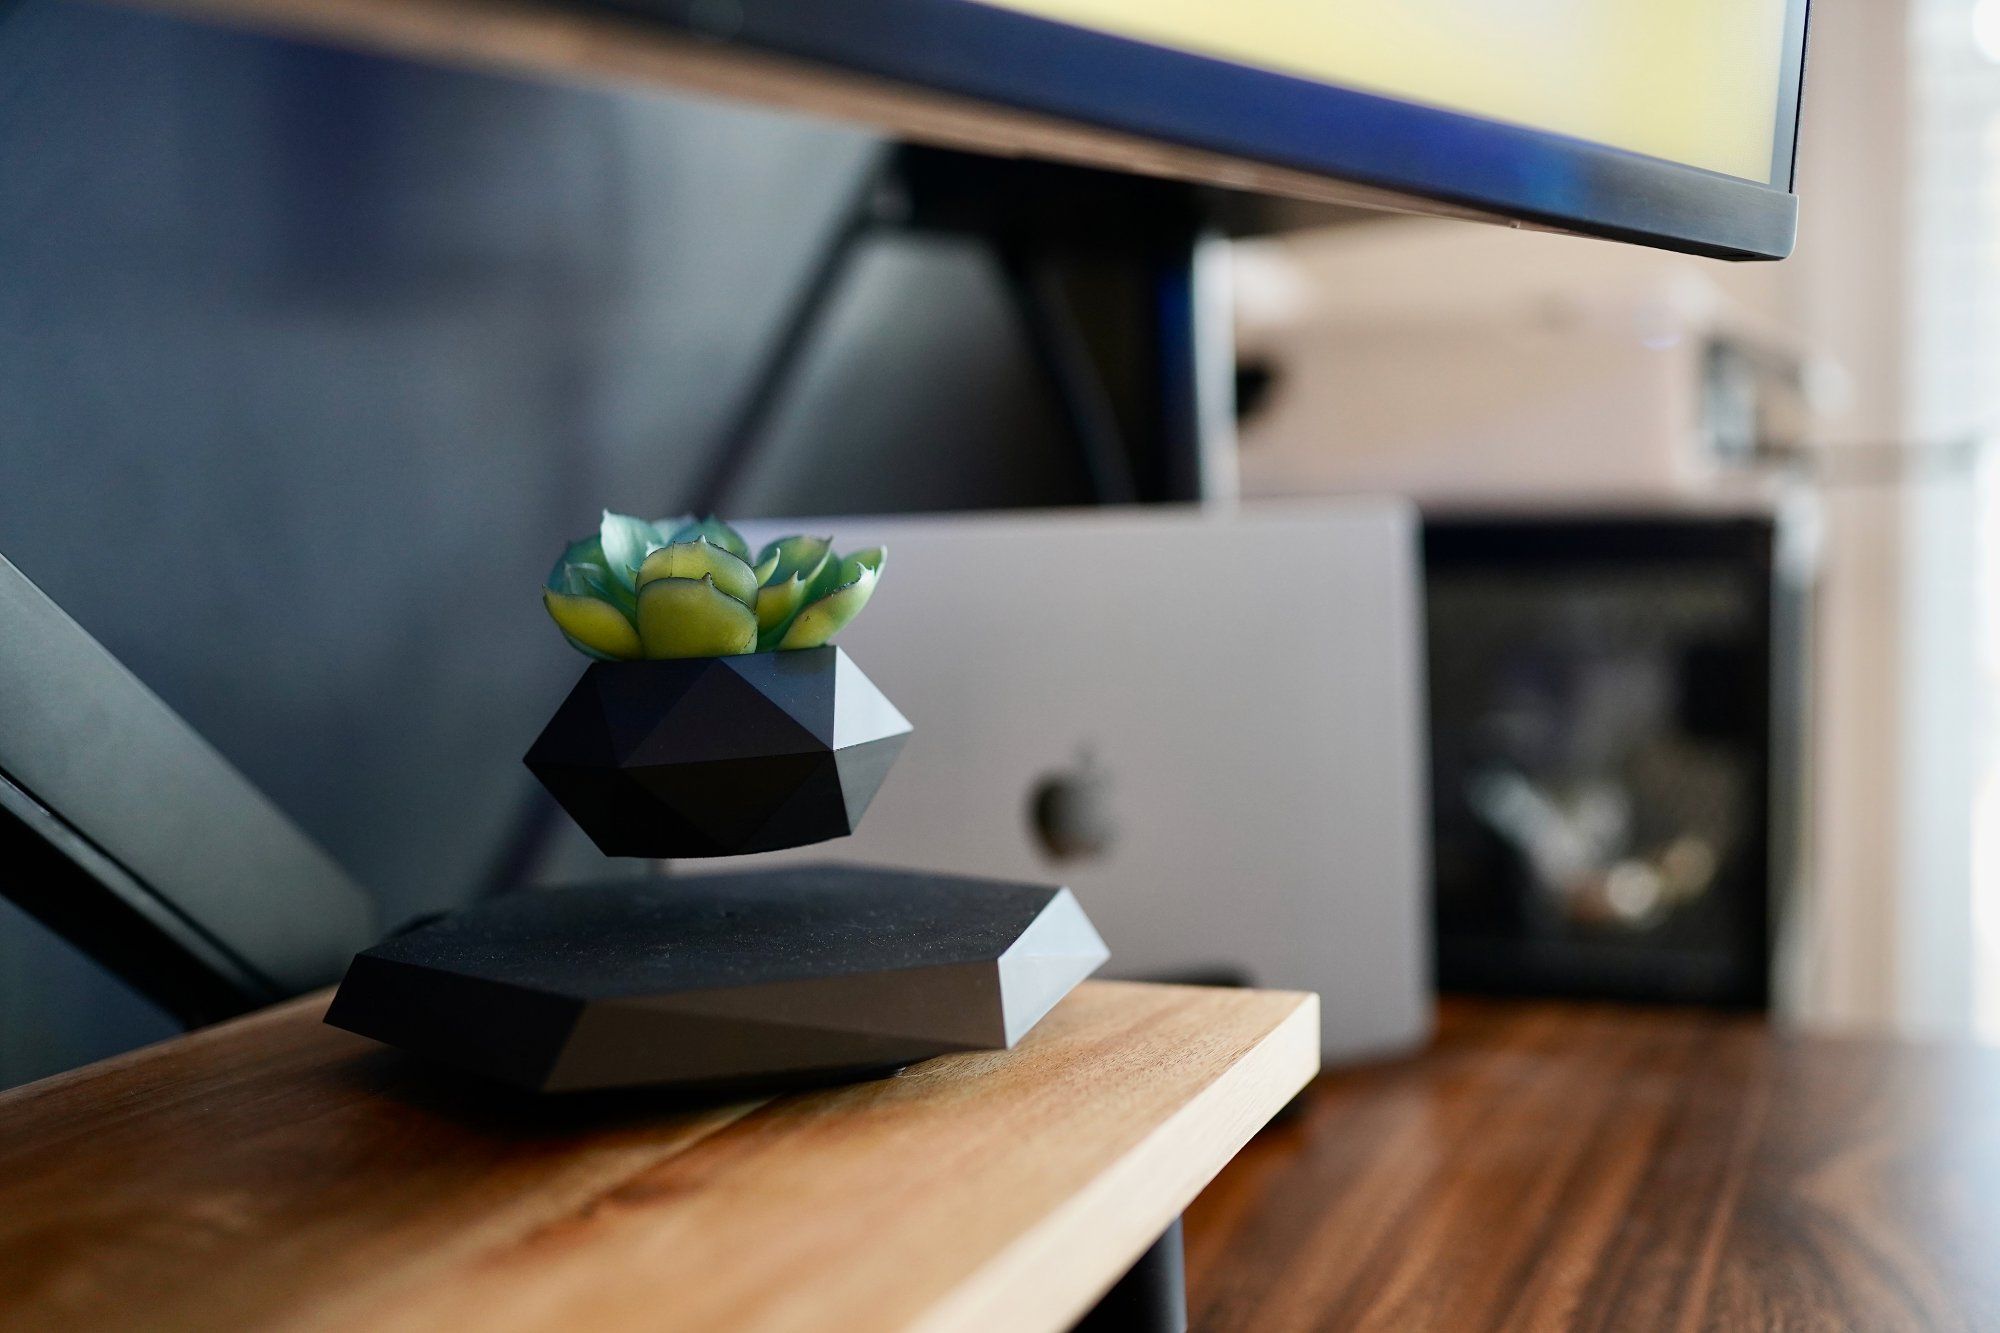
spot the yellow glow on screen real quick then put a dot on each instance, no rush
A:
(1692, 81)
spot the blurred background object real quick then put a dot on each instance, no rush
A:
(1849, 388)
(1441, 360)
(1616, 746)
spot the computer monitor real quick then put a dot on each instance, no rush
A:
(1669, 124)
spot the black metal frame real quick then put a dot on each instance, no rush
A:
(1032, 217)
(68, 883)
(127, 834)
(1015, 60)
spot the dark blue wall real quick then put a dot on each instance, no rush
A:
(309, 362)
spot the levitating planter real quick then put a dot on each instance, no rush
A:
(717, 720)
(721, 755)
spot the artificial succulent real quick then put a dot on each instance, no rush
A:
(688, 587)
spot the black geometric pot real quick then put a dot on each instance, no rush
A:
(716, 756)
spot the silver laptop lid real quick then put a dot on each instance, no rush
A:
(1207, 724)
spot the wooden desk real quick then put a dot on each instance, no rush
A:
(1554, 1166)
(274, 1172)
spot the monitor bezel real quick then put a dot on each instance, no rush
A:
(1003, 57)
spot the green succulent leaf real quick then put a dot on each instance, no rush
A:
(829, 613)
(582, 570)
(696, 559)
(830, 577)
(796, 555)
(776, 605)
(588, 552)
(593, 625)
(589, 651)
(718, 534)
(681, 617)
(682, 587)
(800, 562)
(627, 541)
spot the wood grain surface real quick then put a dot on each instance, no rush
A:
(1551, 1166)
(277, 1173)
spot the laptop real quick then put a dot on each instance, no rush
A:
(1208, 724)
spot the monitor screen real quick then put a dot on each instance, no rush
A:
(1660, 122)
(1696, 82)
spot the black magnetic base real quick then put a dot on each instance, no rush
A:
(800, 975)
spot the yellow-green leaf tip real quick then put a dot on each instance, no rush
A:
(687, 587)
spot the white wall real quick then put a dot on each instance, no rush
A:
(1846, 291)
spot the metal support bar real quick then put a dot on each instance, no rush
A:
(1059, 348)
(1150, 1298)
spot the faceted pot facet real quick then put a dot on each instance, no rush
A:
(717, 756)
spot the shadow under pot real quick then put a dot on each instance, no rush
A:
(719, 756)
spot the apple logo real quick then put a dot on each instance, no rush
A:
(1070, 811)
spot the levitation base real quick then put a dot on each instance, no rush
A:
(795, 976)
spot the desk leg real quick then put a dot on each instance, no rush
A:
(1150, 1298)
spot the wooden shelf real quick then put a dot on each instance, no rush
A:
(274, 1172)
(1553, 1165)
